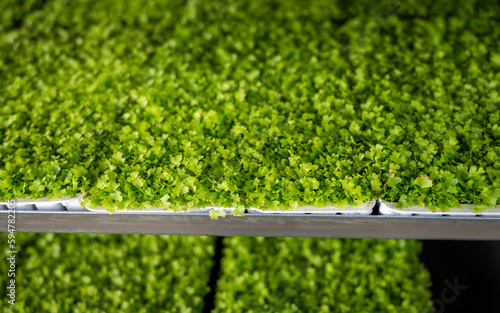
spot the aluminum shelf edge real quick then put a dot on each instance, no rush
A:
(66, 215)
(258, 224)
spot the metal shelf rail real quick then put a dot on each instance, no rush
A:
(70, 217)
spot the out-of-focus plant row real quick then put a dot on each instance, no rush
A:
(132, 273)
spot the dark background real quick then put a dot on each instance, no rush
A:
(474, 265)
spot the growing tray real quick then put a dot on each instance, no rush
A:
(73, 205)
(467, 210)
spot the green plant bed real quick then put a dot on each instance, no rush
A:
(109, 273)
(322, 275)
(265, 104)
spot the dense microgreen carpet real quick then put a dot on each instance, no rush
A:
(268, 104)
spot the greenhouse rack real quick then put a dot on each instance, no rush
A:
(72, 218)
